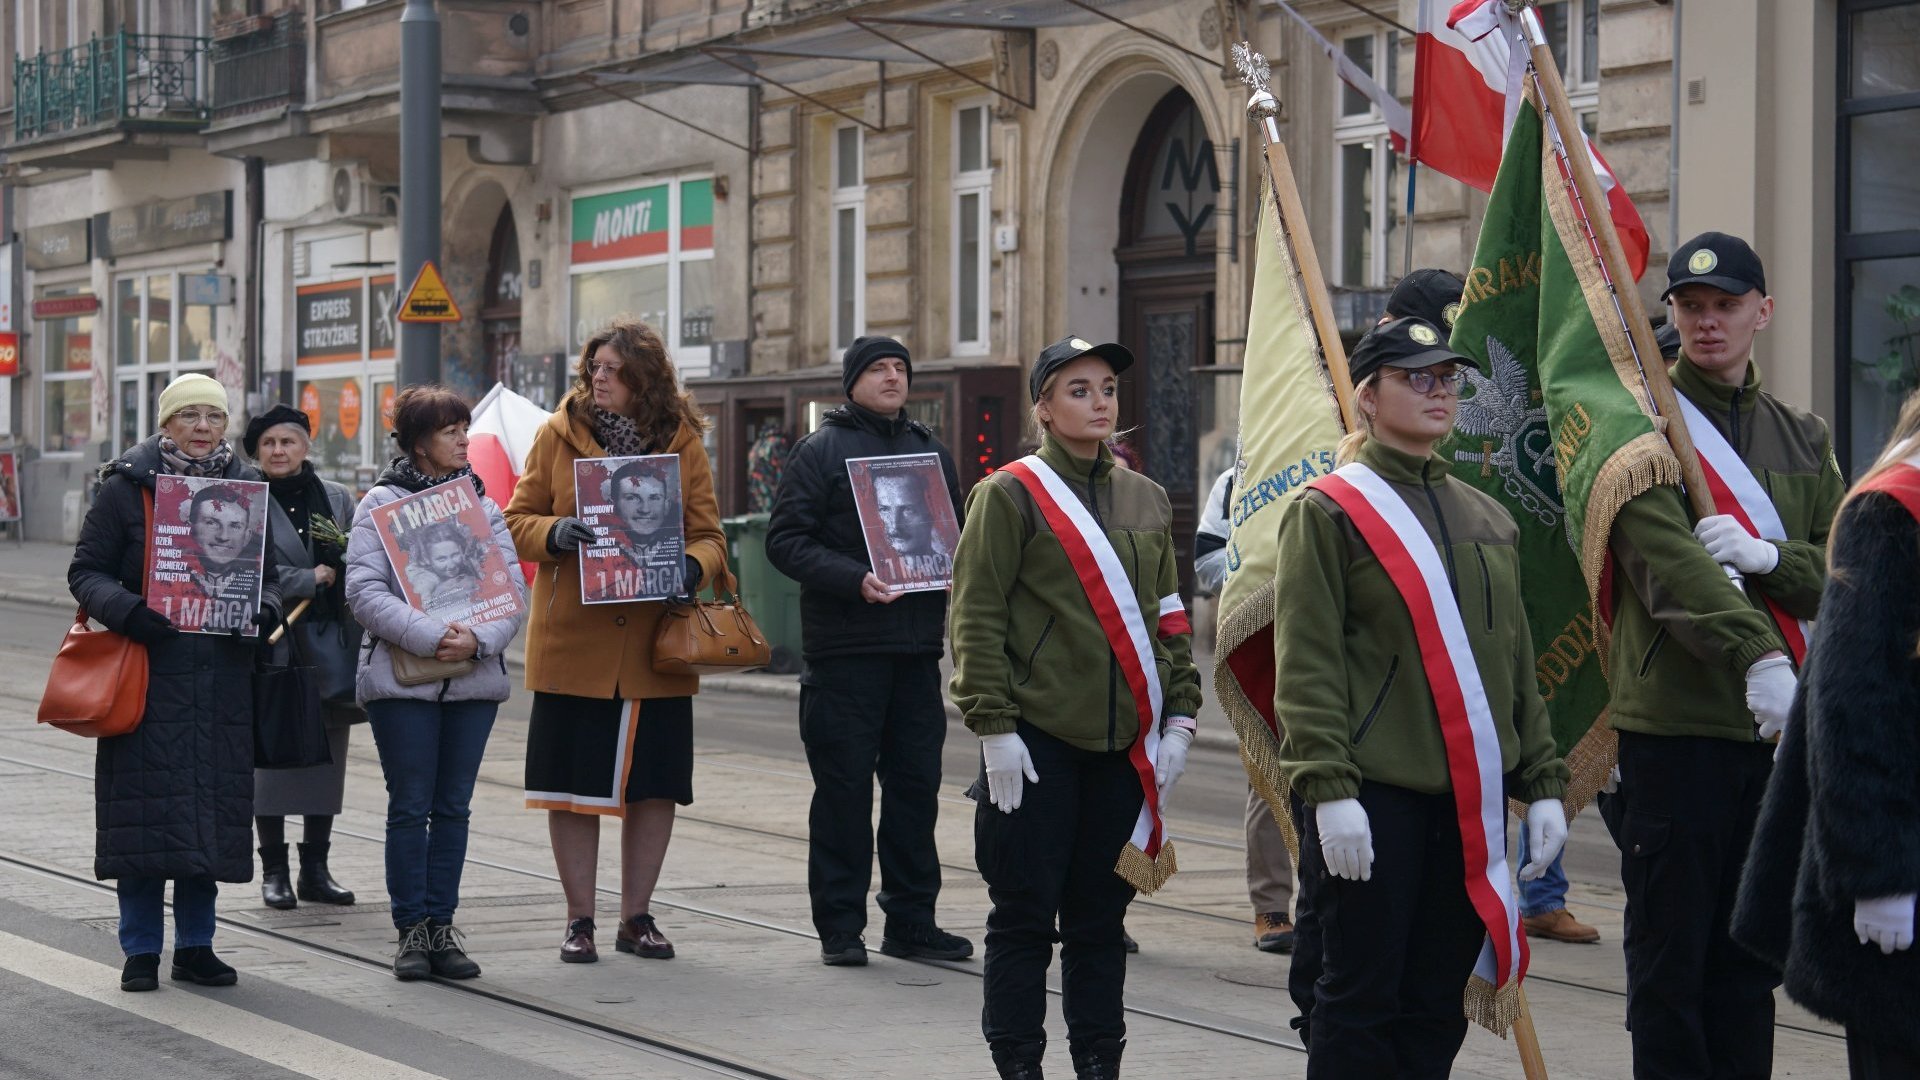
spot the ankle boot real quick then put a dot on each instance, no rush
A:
(316, 884)
(1097, 1059)
(275, 890)
(1020, 1062)
(197, 964)
(410, 960)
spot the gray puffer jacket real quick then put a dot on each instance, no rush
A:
(374, 595)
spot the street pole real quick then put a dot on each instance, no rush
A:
(419, 180)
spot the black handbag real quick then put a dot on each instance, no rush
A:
(289, 729)
(333, 648)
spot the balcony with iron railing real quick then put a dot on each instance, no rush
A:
(259, 64)
(125, 81)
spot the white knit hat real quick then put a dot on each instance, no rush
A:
(191, 390)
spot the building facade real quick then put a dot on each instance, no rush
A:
(767, 180)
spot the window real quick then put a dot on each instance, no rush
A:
(154, 341)
(1878, 203)
(1365, 166)
(647, 252)
(972, 217)
(344, 335)
(849, 236)
(1577, 54)
(66, 378)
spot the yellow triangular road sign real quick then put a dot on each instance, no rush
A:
(428, 299)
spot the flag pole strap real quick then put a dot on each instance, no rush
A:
(1264, 111)
(1613, 260)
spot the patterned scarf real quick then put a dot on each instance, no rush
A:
(415, 480)
(177, 462)
(619, 434)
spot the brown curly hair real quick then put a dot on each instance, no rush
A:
(660, 406)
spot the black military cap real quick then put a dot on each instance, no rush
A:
(1401, 343)
(1068, 349)
(1667, 336)
(1713, 258)
(1433, 295)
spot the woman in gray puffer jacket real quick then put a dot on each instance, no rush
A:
(432, 735)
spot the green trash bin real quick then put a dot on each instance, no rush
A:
(771, 596)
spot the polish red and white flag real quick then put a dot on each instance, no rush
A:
(1467, 86)
(501, 433)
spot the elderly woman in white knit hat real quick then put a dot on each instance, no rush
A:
(173, 798)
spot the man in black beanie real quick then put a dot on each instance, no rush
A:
(870, 698)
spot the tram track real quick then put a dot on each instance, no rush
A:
(1212, 1023)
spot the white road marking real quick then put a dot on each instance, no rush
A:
(236, 1029)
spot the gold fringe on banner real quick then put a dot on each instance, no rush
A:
(1495, 1010)
(1143, 873)
(1259, 749)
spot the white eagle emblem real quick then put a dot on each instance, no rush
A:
(1500, 416)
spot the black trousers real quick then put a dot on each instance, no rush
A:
(1398, 947)
(860, 717)
(1307, 943)
(1873, 1059)
(1051, 864)
(1698, 1005)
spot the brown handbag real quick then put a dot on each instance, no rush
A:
(98, 685)
(710, 637)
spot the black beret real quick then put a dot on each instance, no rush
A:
(281, 413)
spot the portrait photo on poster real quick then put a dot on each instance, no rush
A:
(205, 557)
(9, 486)
(444, 559)
(906, 514)
(633, 506)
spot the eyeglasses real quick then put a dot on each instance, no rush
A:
(1425, 379)
(194, 417)
(610, 369)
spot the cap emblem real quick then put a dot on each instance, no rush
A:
(1423, 334)
(1080, 343)
(1703, 261)
(1451, 313)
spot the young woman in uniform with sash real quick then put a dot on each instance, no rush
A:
(1073, 663)
(1404, 678)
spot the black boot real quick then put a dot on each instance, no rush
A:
(1020, 1062)
(316, 884)
(410, 959)
(142, 972)
(1098, 1059)
(275, 890)
(197, 964)
(448, 959)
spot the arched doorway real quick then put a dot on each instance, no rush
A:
(500, 302)
(1169, 208)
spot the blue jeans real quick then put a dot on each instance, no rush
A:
(1548, 892)
(430, 752)
(143, 914)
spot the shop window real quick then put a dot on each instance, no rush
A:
(972, 213)
(849, 236)
(66, 379)
(155, 340)
(1878, 197)
(647, 252)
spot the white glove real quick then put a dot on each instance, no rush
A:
(1546, 835)
(1612, 786)
(1007, 761)
(1346, 840)
(1886, 922)
(1729, 542)
(1172, 760)
(1770, 686)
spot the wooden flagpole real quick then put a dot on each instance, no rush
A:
(1613, 259)
(1264, 110)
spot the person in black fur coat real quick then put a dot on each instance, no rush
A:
(1830, 882)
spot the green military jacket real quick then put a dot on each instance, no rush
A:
(1026, 643)
(1349, 687)
(1683, 634)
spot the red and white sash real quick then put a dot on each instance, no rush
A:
(1418, 571)
(1737, 493)
(1901, 481)
(1147, 861)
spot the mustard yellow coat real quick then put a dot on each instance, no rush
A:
(599, 650)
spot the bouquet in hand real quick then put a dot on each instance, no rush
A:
(329, 542)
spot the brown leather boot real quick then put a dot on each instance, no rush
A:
(640, 936)
(578, 946)
(1560, 926)
(1273, 932)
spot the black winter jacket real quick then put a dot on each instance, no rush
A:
(174, 798)
(814, 538)
(1841, 818)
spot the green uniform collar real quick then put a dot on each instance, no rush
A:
(1396, 467)
(1689, 381)
(1078, 470)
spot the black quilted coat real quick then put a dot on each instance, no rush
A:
(173, 799)
(1841, 818)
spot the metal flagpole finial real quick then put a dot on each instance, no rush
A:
(1256, 73)
(1515, 7)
